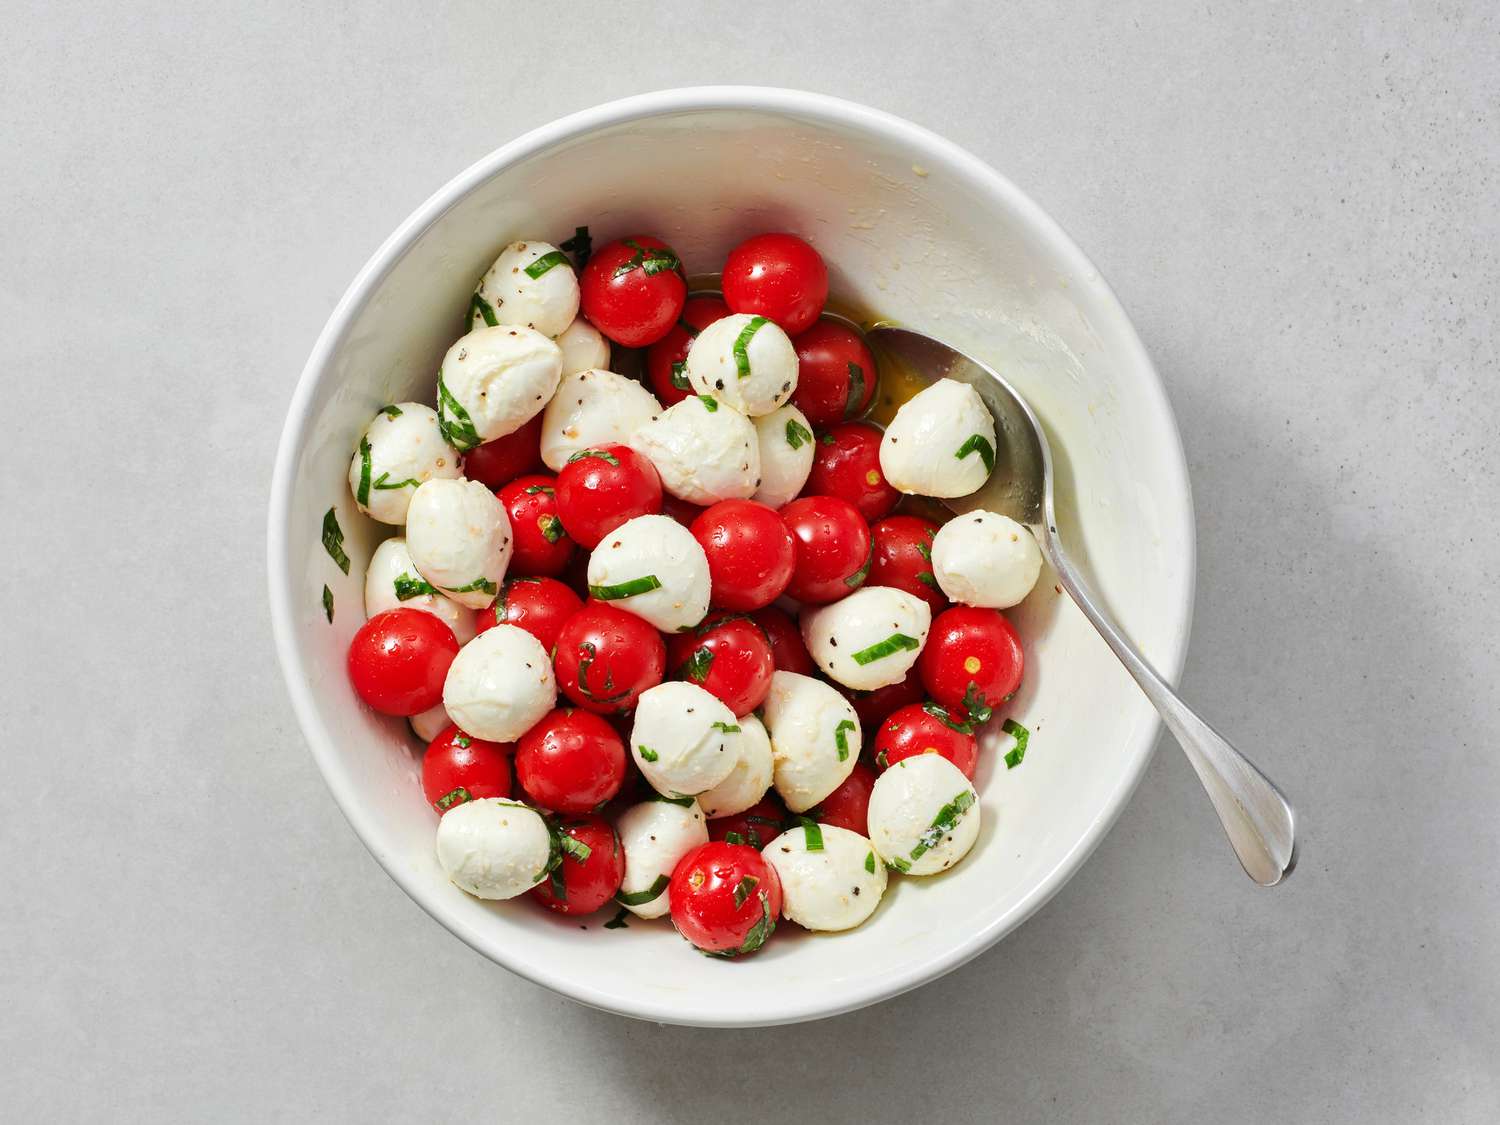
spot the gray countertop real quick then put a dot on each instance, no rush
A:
(1297, 204)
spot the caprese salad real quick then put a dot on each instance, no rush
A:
(680, 643)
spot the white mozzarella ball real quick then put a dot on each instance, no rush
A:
(494, 848)
(583, 347)
(815, 738)
(392, 581)
(655, 835)
(397, 453)
(941, 442)
(786, 455)
(684, 740)
(869, 639)
(985, 559)
(593, 408)
(430, 723)
(660, 557)
(704, 450)
(924, 815)
(831, 878)
(508, 294)
(751, 777)
(745, 361)
(500, 684)
(495, 380)
(458, 538)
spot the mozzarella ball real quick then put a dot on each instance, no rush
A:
(684, 740)
(583, 347)
(458, 538)
(659, 556)
(832, 887)
(869, 639)
(593, 408)
(924, 815)
(431, 723)
(655, 835)
(495, 380)
(392, 581)
(751, 776)
(547, 302)
(744, 361)
(985, 559)
(500, 684)
(815, 738)
(397, 454)
(494, 848)
(786, 455)
(704, 451)
(927, 448)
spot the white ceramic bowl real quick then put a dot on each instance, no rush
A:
(913, 228)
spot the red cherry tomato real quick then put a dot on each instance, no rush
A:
(570, 762)
(606, 657)
(757, 826)
(873, 706)
(750, 553)
(846, 462)
(501, 461)
(599, 489)
(538, 605)
(836, 374)
(777, 276)
(728, 656)
(788, 650)
(458, 767)
(972, 661)
(582, 886)
(399, 659)
(542, 545)
(832, 547)
(725, 898)
(927, 728)
(848, 806)
(633, 290)
(666, 359)
(903, 558)
(680, 510)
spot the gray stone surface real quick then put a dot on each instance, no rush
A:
(1296, 203)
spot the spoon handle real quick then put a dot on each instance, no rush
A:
(1257, 819)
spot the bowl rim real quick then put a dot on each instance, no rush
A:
(1177, 507)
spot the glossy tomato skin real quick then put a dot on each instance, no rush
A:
(848, 806)
(788, 650)
(633, 290)
(498, 462)
(757, 826)
(606, 657)
(458, 767)
(680, 510)
(588, 884)
(750, 553)
(873, 706)
(836, 374)
(399, 659)
(665, 359)
(538, 605)
(571, 762)
(599, 489)
(846, 462)
(903, 558)
(725, 898)
(832, 548)
(542, 546)
(972, 661)
(926, 729)
(729, 657)
(779, 277)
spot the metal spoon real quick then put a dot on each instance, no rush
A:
(1256, 817)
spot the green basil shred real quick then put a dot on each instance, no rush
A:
(742, 342)
(870, 863)
(545, 263)
(328, 603)
(1018, 751)
(896, 642)
(574, 849)
(697, 665)
(581, 246)
(726, 728)
(552, 529)
(410, 586)
(453, 797)
(940, 713)
(647, 754)
(453, 420)
(383, 483)
(942, 823)
(480, 585)
(640, 898)
(618, 921)
(812, 833)
(628, 589)
(981, 444)
(486, 311)
(652, 260)
(679, 375)
(733, 838)
(362, 493)
(841, 740)
(796, 433)
(599, 453)
(533, 489)
(333, 540)
(391, 411)
(855, 580)
(927, 578)
(709, 403)
(685, 802)
(744, 889)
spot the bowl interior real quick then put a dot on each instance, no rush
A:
(914, 230)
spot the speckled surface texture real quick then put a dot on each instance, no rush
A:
(1296, 204)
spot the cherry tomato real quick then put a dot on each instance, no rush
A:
(728, 656)
(750, 553)
(846, 462)
(873, 706)
(848, 805)
(502, 460)
(606, 657)
(725, 898)
(633, 290)
(788, 650)
(458, 767)
(542, 545)
(399, 659)
(757, 826)
(836, 374)
(972, 661)
(538, 605)
(832, 547)
(777, 276)
(666, 359)
(570, 762)
(927, 728)
(903, 558)
(582, 886)
(599, 489)
(680, 510)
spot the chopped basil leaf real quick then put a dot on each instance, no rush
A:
(625, 589)
(896, 642)
(974, 703)
(679, 375)
(533, 489)
(927, 578)
(554, 863)
(742, 341)
(333, 540)
(1022, 736)
(982, 444)
(841, 740)
(410, 586)
(942, 823)
(362, 493)
(453, 420)
(685, 802)
(384, 483)
(552, 528)
(652, 260)
(709, 403)
(545, 263)
(581, 246)
(856, 397)
(744, 889)
(599, 453)
(870, 863)
(640, 898)
(480, 585)
(453, 797)
(574, 849)
(486, 311)
(924, 550)
(586, 654)
(940, 713)
(328, 603)
(726, 728)
(733, 838)
(618, 921)
(391, 411)
(812, 834)
(697, 665)
(855, 580)
(880, 760)
(462, 740)
(559, 884)
(797, 434)
(647, 754)
(828, 439)
(900, 865)
(758, 932)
